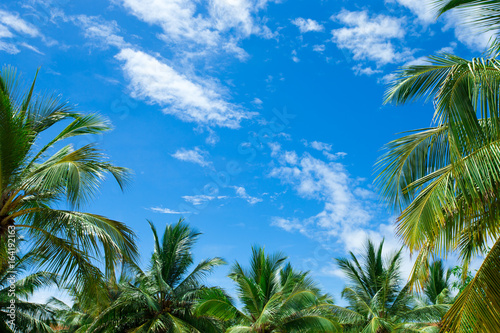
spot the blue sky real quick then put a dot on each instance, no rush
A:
(259, 121)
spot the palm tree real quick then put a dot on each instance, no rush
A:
(161, 299)
(275, 299)
(38, 175)
(378, 303)
(71, 319)
(17, 312)
(437, 286)
(444, 180)
(81, 314)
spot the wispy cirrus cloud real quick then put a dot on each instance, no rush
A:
(103, 33)
(347, 207)
(192, 99)
(12, 26)
(241, 192)
(196, 155)
(325, 148)
(201, 199)
(166, 211)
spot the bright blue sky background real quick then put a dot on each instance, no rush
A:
(194, 90)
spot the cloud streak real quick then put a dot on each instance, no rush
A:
(190, 99)
(196, 155)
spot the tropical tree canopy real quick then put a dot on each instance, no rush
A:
(17, 313)
(37, 177)
(378, 300)
(437, 286)
(162, 299)
(445, 179)
(275, 298)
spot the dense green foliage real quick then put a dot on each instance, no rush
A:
(37, 176)
(443, 181)
(379, 300)
(162, 299)
(275, 298)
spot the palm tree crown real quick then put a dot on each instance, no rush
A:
(445, 179)
(378, 302)
(36, 176)
(275, 298)
(161, 299)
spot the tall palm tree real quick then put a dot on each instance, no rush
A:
(445, 180)
(162, 299)
(437, 287)
(38, 175)
(78, 317)
(17, 313)
(275, 299)
(378, 302)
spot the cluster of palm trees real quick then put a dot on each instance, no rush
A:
(271, 296)
(443, 181)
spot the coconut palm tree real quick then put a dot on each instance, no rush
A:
(275, 298)
(38, 176)
(162, 299)
(437, 287)
(71, 319)
(79, 316)
(378, 301)
(444, 180)
(17, 313)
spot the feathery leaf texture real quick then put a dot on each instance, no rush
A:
(445, 179)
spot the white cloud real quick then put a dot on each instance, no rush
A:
(307, 25)
(166, 210)
(201, 198)
(347, 209)
(5, 32)
(195, 155)
(423, 9)
(257, 101)
(361, 70)
(319, 48)
(241, 192)
(370, 38)
(17, 24)
(190, 99)
(97, 29)
(347, 216)
(334, 156)
(318, 145)
(325, 148)
(218, 26)
(474, 38)
(288, 224)
(11, 25)
(9, 47)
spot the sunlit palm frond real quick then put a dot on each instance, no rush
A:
(444, 180)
